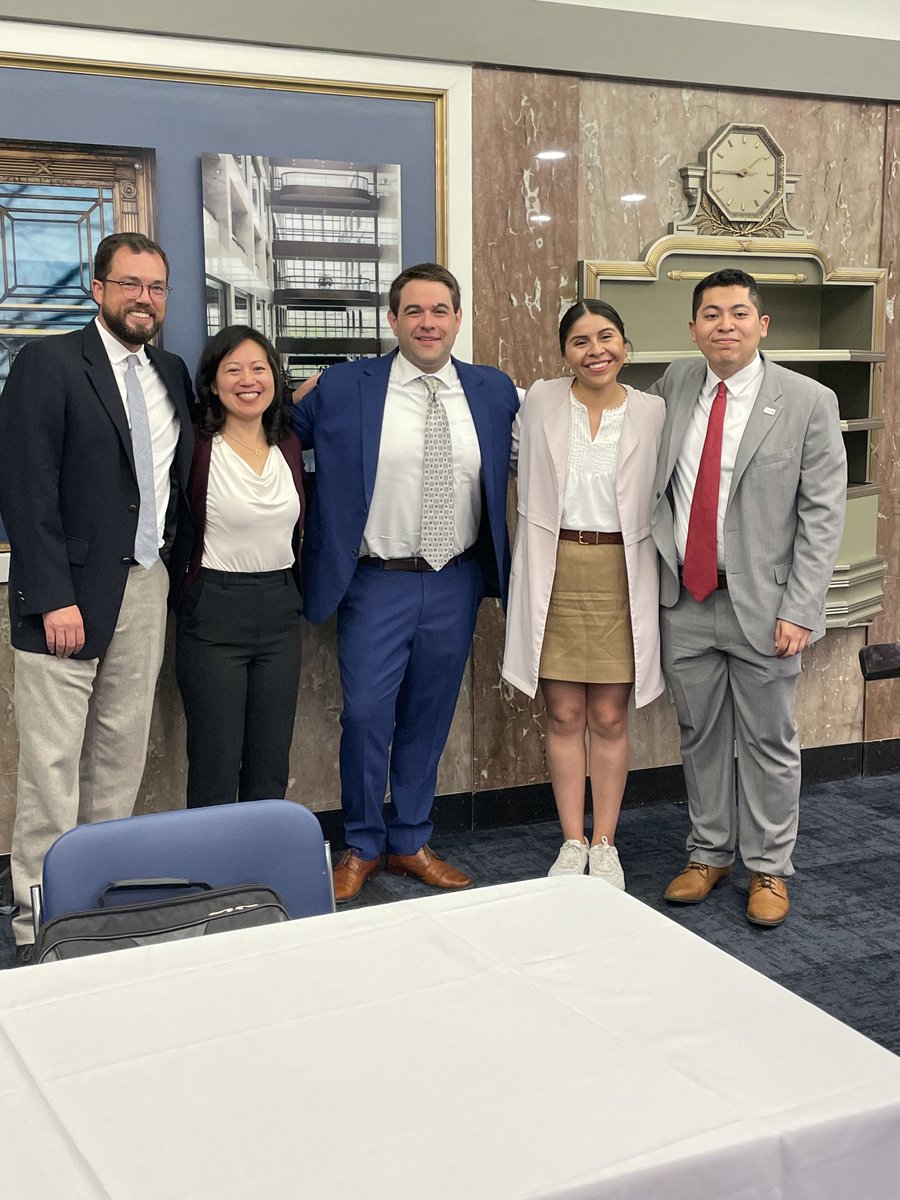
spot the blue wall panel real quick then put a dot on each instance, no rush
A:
(182, 121)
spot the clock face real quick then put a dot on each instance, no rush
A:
(745, 172)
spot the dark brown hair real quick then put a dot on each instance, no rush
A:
(138, 243)
(431, 273)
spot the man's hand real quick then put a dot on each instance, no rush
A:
(790, 639)
(64, 630)
(305, 388)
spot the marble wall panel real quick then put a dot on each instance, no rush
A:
(829, 705)
(635, 137)
(883, 698)
(524, 277)
(524, 263)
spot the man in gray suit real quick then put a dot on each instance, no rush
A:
(748, 512)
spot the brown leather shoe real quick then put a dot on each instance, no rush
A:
(768, 903)
(426, 865)
(351, 873)
(695, 883)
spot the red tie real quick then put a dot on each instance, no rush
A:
(700, 571)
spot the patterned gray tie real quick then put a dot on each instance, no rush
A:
(438, 525)
(146, 541)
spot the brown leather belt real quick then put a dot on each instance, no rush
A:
(412, 564)
(587, 537)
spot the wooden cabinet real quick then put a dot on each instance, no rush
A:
(825, 322)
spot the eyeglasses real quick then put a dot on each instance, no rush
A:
(132, 290)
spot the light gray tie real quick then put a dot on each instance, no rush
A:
(438, 525)
(146, 541)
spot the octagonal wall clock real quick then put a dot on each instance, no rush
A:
(745, 172)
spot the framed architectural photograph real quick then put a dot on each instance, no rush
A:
(304, 250)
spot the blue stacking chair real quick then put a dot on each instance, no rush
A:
(273, 842)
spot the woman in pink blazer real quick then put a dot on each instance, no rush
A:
(584, 591)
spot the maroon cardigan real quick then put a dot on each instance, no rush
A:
(196, 493)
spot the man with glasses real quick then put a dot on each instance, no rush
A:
(95, 434)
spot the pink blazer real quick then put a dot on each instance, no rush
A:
(542, 427)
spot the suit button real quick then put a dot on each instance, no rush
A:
(132, 508)
(354, 554)
(127, 561)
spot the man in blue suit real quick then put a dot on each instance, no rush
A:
(405, 535)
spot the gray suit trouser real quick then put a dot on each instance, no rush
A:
(729, 695)
(83, 727)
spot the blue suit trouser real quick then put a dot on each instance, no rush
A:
(403, 643)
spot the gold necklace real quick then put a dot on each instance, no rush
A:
(258, 451)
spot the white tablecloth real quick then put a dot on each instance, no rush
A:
(554, 1038)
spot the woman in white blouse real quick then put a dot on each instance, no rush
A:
(237, 646)
(584, 590)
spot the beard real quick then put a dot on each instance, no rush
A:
(118, 326)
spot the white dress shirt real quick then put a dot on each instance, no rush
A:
(742, 390)
(394, 525)
(589, 501)
(250, 518)
(161, 415)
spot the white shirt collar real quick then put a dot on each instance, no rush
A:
(404, 372)
(116, 352)
(739, 383)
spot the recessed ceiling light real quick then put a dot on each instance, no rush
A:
(540, 218)
(551, 155)
(633, 197)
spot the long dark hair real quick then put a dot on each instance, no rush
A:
(211, 410)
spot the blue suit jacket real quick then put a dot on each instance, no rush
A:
(341, 420)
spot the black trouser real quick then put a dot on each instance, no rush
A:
(237, 660)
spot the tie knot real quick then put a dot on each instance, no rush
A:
(431, 384)
(721, 390)
(132, 362)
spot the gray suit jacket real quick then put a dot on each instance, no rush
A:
(785, 513)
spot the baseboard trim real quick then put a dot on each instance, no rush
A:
(881, 758)
(465, 812)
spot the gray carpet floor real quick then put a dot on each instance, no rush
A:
(840, 947)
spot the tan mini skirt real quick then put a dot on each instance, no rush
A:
(587, 638)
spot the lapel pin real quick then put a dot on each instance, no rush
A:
(770, 412)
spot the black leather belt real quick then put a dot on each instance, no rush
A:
(412, 564)
(721, 579)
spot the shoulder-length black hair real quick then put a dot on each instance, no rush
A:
(211, 410)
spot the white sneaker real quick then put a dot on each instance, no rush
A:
(603, 862)
(572, 858)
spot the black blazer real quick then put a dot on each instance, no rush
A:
(68, 491)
